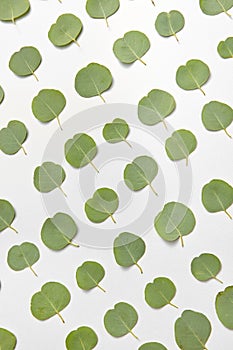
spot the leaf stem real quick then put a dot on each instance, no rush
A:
(102, 98)
(106, 20)
(142, 61)
(73, 244)
(93, 165)
(228, 14)
(228, 214)
(33, 271)
(35, 76)
(101, 288)
(60, 1)
(112, 219)
(76, 42)
(202, 91)
(128, 143)
(60, 316)
(153, 2)
(60, 188)
(217, 279)
(165, 124)
(13, 229)
(187, 161)
(59, 123)
(173, 305)
(227, 133)
(176, 37)
(153, 190)
(139, 267)
(182, 241)
(24, 151)
(134, 335)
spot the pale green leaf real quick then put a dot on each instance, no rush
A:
(10, 10)
(206, 267)
(152, 346)
(7, 340)
(89, 275)
(102, 8)
(224, 307)
(83, 338)
(66, 30)
(169, 23)
(12, 137)
(214, 7)
(116, 131)
(7, 215)
(160, 293)
(225, 48)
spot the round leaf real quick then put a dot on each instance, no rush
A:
(160, 293)
(12, 137)
(10, 10)
(174, 221)
(214, 7)
(152, 346)
(169, 23)
(89, 275)
(132, 47)
(2, 94)
(128, 249)
(66, 30)
(155, 107)
(7, 340)
(82, 338)
(59, 231)
(224, 307)
(52, 299)
(121, 320)
(93, 80)
(102, 205)
(193, 75)
(206, 267)
(225, 48)
(102, 8)
(116, 131)
(7, 215)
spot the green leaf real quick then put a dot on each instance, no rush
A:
(116, 131)
(128, 249)
(25, 62)
(49, 176)
(206, 267)
(58, 232)
(66, 30)
(7, 340)
(10, 10)
(80, 151)
(225, 48)
(84, 338)
(217, 196)
(7, 215)
(12, 137)
(152, 346)
(193, 75)
(140, 173)
(180, 145)
(48, 105)
(169, 23)
(2, 94)
(93, 80)
(89, 275)
(23, 256)
(217, 116)
(174, 221)
(214, 7)
(102, 205)
(121, 320)
(192, 331)
(160, 293)
(155, 107)
(102, 8)
(224, 307)
(132, 47)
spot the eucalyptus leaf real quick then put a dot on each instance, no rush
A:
(93, 80)
(59, 231)
(23, 256)
(12, 137)
(89, 275)
(215, 7)
(180, 145)
(193, 75)
(102, 8)
(84, 338)
(174, 221)
(192, 331)
(48, 105)
(7, 215)
(155, 107)
(49, 176)
(140, 173)
(7, 340)
(132, 47)
(50, 301)
(217, 116)
(116, 131)
(224, 307)
(152, 346)
(80, 151)
(225, 48)
(160, 293)
(66, 30)
(10, 10)
(169, 23)
(206, 267)
(217, 196)
(102, 205)
(121, 320)
(25, 62)
(2, 94)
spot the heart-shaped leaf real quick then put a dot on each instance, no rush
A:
(23, 256)
(83, 338)
(10, 10)
(140, 173)
(66, 30)
(155, 107)
(102, 8)
(58, 232)
(160, 293)
(217, 116)
(89, 275)
(152, 346)
(49, 176)
(192, 331)
(206, 267)
(102, 205)
(80, 151)
(7, 215)
(174, 221)
(225, 48)
(25, 62)
(116, 131)
(132, 47)
(12, 137)
(180, 145)
(2, 94)
(217, 196)
(128, 249)
(193, 75)
(214, 7)
(224, 307)
(52, 298)
(93, 80)
(121, 320)
(7, 340)
(169, 23)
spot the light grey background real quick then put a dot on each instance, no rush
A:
(212, 159)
